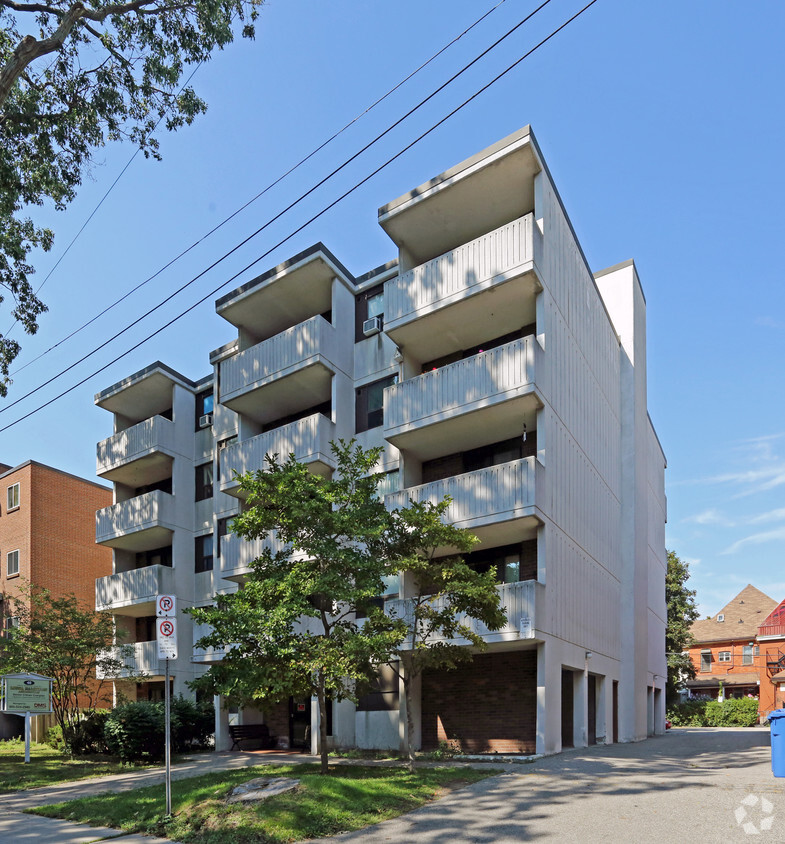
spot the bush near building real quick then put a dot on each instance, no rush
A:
(740, 712)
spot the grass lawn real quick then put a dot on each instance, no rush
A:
(48, 766)
(350, 798)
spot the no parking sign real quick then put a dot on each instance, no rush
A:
(166, 629)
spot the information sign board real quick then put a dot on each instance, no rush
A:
(27, 693)
(166, 630)
(165, 606)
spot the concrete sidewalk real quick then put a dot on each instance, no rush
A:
(17, 827)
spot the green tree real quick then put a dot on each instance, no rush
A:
(72, 644)
(682, 612)
(443, 595)
(93, 71)
(292, 628)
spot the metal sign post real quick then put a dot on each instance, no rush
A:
(166, 630)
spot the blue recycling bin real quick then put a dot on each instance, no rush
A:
(777, 721)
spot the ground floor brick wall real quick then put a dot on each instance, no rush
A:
(486, 706)
(276, 716)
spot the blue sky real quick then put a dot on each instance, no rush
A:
(662, 124)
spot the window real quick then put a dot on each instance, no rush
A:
(721, 617)
(724, 656)
(224, 528)
(225, 443)
(746, 655)
(13, 497)
(388, 483)
(383, 696)
(203, 553)
(204, 405)
(155, 557)
(12, 563)
(370, 404)
(10, 625)
(705, 661)
(512, 563)
(204, 481)
(370, 303)
(494, 454)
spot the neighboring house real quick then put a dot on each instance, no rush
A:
(492, 366)
(771, 641)
(47, 537)
(726, 650)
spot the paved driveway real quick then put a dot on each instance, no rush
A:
(691, 785)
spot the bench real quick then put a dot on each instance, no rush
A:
(251, 732)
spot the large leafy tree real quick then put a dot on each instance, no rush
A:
(69, 642)
(443, 595)
(292, 629)
(682, 612)
(75, 74)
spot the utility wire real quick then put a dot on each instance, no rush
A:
(242, 208)
(279, 214)
(308, 222)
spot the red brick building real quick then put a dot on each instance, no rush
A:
(47, 535)
(771, 641)
(727, 650)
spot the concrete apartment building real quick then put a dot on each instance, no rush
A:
(47, 539)
(492, 366)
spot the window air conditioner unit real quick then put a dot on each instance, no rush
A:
(372, 326)
(206, 421)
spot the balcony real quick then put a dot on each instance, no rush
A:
(133, 592)
(203, 655)
(137, 524)
(483, 498)
(446, 410)
(308, 439)
(144, 660)
(523, 602)
(139, 455)
(237, 554)
(283, 375)
(447, 302)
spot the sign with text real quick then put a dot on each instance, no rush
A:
(526, 631)
(165, 606)
(166, 634)
(27, 693)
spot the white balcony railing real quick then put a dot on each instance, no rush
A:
(150, 435)
(288, 351)
(459, 273)
(205, 654)
(138, 586)
(142, 660)
(308, 439)
(496, 494)
(520, 600)
(151, 510)
(461, 387)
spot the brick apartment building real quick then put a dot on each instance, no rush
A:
(488, 362)
(727, 648)
(771, 642)
(47, 537)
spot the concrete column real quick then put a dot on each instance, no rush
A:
(548, 699)
(222, 738)
(580, 708)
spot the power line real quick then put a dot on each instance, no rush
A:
(242, 207)
(280, 214)
(308, 222)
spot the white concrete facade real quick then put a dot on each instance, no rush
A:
(492, 326)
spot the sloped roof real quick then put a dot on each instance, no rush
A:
(747, 679)
(742, 617)
(776, 617)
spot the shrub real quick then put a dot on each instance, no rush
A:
(87, 735)
(135, 731)
(54, 737)
(741, 712)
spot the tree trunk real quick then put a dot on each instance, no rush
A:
(322, 697)
(407, 691)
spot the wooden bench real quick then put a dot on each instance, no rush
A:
(251, 732)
